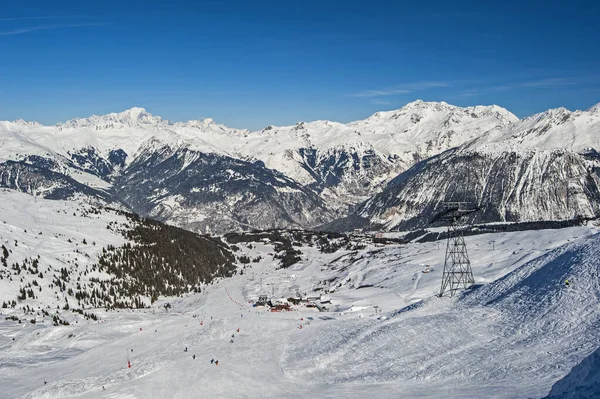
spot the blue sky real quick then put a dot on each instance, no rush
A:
(249, 64)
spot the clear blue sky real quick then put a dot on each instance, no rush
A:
(253, 63)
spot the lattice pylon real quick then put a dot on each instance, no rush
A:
(457, 266)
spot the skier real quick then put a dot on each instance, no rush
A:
(212, 361)
(232, 335)
(185, 350)
(216, 362)
(566, 282)
(231, 341)
(194, 357)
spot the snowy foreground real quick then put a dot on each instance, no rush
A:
(513, 337)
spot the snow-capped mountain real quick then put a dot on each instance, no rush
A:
(553, 129)
(132, 117)
(544, 167)
(126, 131)
(322, 167)
(350, 162)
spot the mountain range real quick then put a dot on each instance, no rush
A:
(388, 171)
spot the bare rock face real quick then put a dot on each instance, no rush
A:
(507, 186)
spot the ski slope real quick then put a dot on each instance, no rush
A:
(512, 338)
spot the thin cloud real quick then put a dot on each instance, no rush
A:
(185, 92)
(20, 31)
(39, 17)
(377, 93)
(546, 83)
(405, 88)
(472, 93)
(417, 86)
(380, 102)
(549, 82)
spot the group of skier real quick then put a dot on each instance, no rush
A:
(233, 335)
(212, 361)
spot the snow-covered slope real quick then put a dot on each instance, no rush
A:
(520, 330)
(41, 238)
(56, 254)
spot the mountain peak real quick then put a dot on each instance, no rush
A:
(419, 109)
(556, 128)
(554, 115)
(205, 123)
(134, 112)
(426, 104)
(22, 122)
(135, 116)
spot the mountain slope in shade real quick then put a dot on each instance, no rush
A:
(212, 192)
(582, 382)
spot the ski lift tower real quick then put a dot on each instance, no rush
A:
(457, 266)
